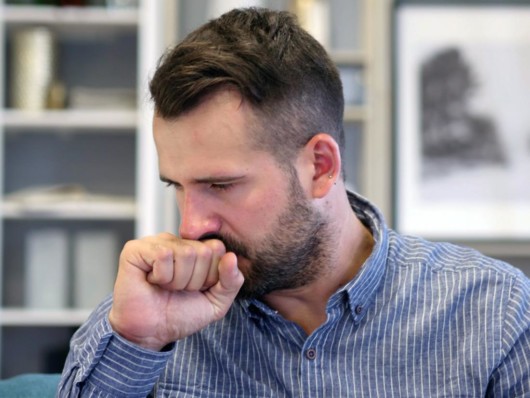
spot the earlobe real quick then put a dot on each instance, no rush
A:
(326, 163)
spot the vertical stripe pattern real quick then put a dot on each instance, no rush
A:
(421, 319)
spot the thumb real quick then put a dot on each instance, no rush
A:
(230, 277)
(223, 293)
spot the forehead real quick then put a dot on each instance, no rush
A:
(215, 134)
(219, 116)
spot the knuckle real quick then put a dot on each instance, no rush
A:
(216, 246)
(128, 247)
(165, 236)
(186, 252)
(204, 252)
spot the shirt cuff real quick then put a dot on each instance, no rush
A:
(126, 369)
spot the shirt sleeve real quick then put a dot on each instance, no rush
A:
(101, 363)
(512, 377)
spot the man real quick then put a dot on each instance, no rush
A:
(280, 283)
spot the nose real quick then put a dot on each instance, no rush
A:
(197, 217)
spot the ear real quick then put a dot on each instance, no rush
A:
(323, 153)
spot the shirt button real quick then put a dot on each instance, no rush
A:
(359, 309)
(311, 354)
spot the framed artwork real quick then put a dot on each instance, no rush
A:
(462, 127)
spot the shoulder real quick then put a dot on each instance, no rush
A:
(460, 270)
(461, 275)
(410, 251)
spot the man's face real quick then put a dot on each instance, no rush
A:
(240, 195)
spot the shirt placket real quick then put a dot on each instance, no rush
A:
(316, 357)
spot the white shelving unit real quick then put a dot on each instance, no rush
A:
(103, 150)
(74, 120)
(71, 16)
(33, 318)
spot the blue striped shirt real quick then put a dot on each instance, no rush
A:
(421, 319)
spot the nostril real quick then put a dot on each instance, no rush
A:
(200, 230)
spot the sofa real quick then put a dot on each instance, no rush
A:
(30, 385)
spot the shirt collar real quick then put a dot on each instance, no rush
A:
(361, 290)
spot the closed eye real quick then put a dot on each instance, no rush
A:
(216, 184)
(221, 187)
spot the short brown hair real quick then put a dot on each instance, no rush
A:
(284, 73)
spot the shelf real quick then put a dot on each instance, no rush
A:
(79, 210)
(73, 170)
(70, 16)
(37, 317)
(70, 119)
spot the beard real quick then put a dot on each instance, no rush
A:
(292, 255)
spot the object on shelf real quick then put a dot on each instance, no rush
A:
(33, 2)
(102, 98)
(56, 96)
(32, 67)
(80, 119)
(62, 3)
(56, 194)
(95, 259)
(46, 272)
(67, 201)
(314, 16)
(62, 196)
(49, 193)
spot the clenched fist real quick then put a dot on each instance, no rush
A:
(168, 288)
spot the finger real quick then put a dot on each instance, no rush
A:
(184, 259)
(189, 267)
(201, 267)
(162, 269)
(145, 252)
(230, 277)
(173, 251)
(223, 293)
(218, 250)
(142, 254)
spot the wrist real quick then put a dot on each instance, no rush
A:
(145, 342)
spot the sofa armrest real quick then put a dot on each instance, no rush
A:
(30, 385)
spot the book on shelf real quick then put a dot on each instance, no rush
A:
(46, 269)
(95, 264)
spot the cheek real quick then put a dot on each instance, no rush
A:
(257, 214)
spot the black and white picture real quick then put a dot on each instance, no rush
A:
(463, 121)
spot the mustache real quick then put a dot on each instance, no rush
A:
(231, 244)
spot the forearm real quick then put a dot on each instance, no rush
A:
(101, 363)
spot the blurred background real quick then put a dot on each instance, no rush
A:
(78, 171)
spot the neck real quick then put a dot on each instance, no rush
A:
(306, 305)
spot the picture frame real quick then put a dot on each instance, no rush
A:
(462, 120)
